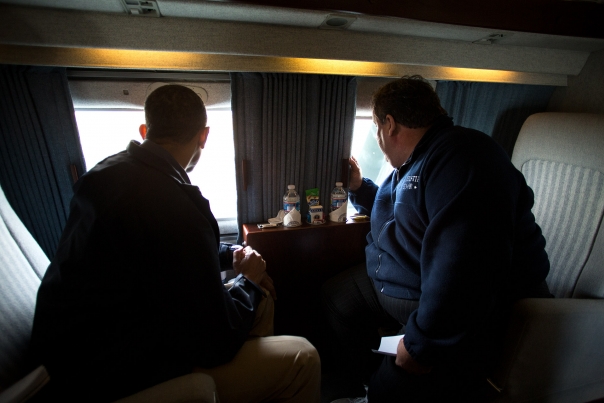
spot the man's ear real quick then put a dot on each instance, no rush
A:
(204, 136)
(142, 129)
(391, 129)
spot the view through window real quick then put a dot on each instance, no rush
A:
(364, 145)
(107, 132)
(367, 152)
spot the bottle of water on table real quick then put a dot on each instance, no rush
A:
(291, 200)
(338, 198)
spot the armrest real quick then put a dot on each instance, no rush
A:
(26, 387)
(195, 388)
(553, 351)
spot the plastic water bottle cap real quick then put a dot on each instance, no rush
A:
(339, 183)
(291, 186)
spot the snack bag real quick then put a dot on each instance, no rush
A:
(312, 197)
(315, 214)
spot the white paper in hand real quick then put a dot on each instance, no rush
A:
(389, 344)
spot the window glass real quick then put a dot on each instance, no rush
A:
(364, 145)
(367, 152)
(106, 132)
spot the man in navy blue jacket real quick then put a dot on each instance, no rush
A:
(134, 297)
(453, 244)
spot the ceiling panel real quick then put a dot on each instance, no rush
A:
(553, 17)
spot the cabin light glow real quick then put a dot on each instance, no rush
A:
(143, 59)
(461, 74)
(346, 67)
(139, 58)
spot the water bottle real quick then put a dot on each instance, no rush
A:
(291, 200)
(338, 198)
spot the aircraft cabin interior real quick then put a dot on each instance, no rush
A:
(287, 87)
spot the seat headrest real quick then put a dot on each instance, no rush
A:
(570, 138)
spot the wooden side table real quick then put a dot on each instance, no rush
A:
(300, 260)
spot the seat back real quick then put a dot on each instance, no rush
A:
(22, 265)
(553, 347)
(562, 158)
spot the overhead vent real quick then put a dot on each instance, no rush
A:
(142, 8)
(492, 38)
(337, 21)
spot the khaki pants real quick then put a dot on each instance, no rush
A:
(269, 368)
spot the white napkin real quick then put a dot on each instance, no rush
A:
(291, 219)
(278, 219)
(339, 215)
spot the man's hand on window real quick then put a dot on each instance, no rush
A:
(356, 176)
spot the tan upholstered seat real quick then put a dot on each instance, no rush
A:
(554, 350)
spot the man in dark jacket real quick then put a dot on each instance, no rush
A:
(453, 244)
(134, 296)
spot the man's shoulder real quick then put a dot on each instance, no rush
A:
(120, 167)
(113, 162)
(460, 153)
(466, 143)
(118, 176)
(461, 134)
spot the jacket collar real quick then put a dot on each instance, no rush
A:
(160, 159)
(155, 156)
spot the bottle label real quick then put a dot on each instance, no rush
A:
(337, 203)
(289, 206)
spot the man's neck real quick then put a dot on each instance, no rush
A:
(409, 138)
(179, 152)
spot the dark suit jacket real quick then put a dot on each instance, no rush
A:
(133, 296)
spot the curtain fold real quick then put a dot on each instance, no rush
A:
(498, 110)
(289, 129)
(40, 151)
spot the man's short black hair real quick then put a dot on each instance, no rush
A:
(410, 100)
(174, 113)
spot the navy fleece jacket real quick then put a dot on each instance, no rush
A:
(453, 229)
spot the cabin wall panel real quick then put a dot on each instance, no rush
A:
(124, 94)
(585, 92)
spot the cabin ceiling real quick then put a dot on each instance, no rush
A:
(539, 41)
(582, 18)
(556, 24)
